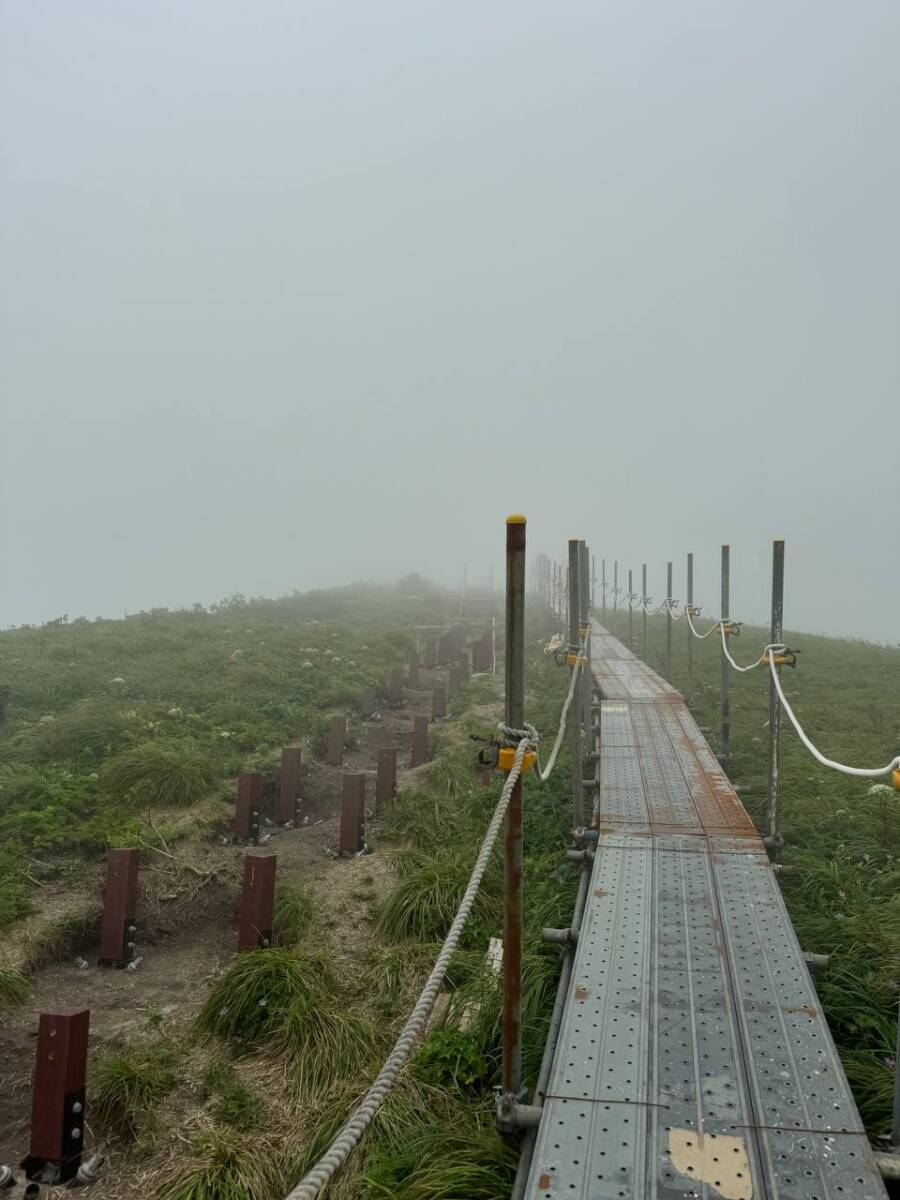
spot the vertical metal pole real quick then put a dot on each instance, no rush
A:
(584, 564)
(725, 685)
(688, 634)
(630, 615)
(615, 586)
(515, 715)
(593, 581)
(669, 622)
(575, 727)
(776, 632)
(603, 587)
(643, 608)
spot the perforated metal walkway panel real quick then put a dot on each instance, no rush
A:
(693, 1057)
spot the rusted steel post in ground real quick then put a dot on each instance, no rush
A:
(395, 687)
(575, 718)
(353, 814)
(288, 786)
(438, 702)
(57, 1105)
(454, 681)
(257, 902)
(248, 806)
(119, 908)
(511, 1039)
(669, 622)
(630, 613)
(688, 634)
(445, 649)
(412, 677)
(776, 632)
(603, 587)
(465, 671)
(366, 703)
(725, 675)
(334, 742)
(583, 630)
(644, 608)
(430, 654)
(385, 778)
(615, 586)
(419, 754)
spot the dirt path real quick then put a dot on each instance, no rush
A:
(188, 928)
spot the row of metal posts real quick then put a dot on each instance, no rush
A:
(580, 593)
(775, 636)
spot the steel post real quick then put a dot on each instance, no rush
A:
(366, 703)
(57, 1105)
(511, 1040)
(584, 624)
(334, 742)
(288, 785)
(248, 805)
(412, 677)
(593, 581)
(257, 902)
(688, 634)
(776, 633)
(630, 614)
(419, 753)
(644, 607)
(603, 587)
(575, 722)
(119, 907)
(395, 687)
(725, 685)
(385, 778)
(438, 702)
(615, 587)
(669, 622)
(454, 681)
(353, 813)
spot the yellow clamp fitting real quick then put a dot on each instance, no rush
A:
(779, 658)
(728, 628)
(583, 631)
(895, 778)
(507, 756)
(576, 660)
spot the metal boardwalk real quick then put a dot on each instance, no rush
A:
(693, 1058)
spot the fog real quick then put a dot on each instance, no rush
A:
(295, 294)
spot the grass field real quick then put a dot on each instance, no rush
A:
(108, 718)
(842, 837)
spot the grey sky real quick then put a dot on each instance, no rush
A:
(300, 293)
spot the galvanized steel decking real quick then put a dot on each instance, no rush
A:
(693, 1059)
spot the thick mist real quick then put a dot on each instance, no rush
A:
(295, 294)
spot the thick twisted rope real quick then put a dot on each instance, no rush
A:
(864, 772)
(351, 1134)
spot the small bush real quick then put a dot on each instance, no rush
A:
(252, 999)
(450, 1057)
(126, 1087)
(13, 988)
(322, 1040)
(225, 1164)
(291, 914)
(175, 773)
(424, 902)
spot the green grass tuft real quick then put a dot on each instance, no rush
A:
(126, 1087)
(292, 914)
(253, 998)
(167, 773)
(13, 988)
(225, 1164)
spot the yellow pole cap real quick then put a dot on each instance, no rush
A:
(516, 519)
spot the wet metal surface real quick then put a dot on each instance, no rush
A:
(693, 1058)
